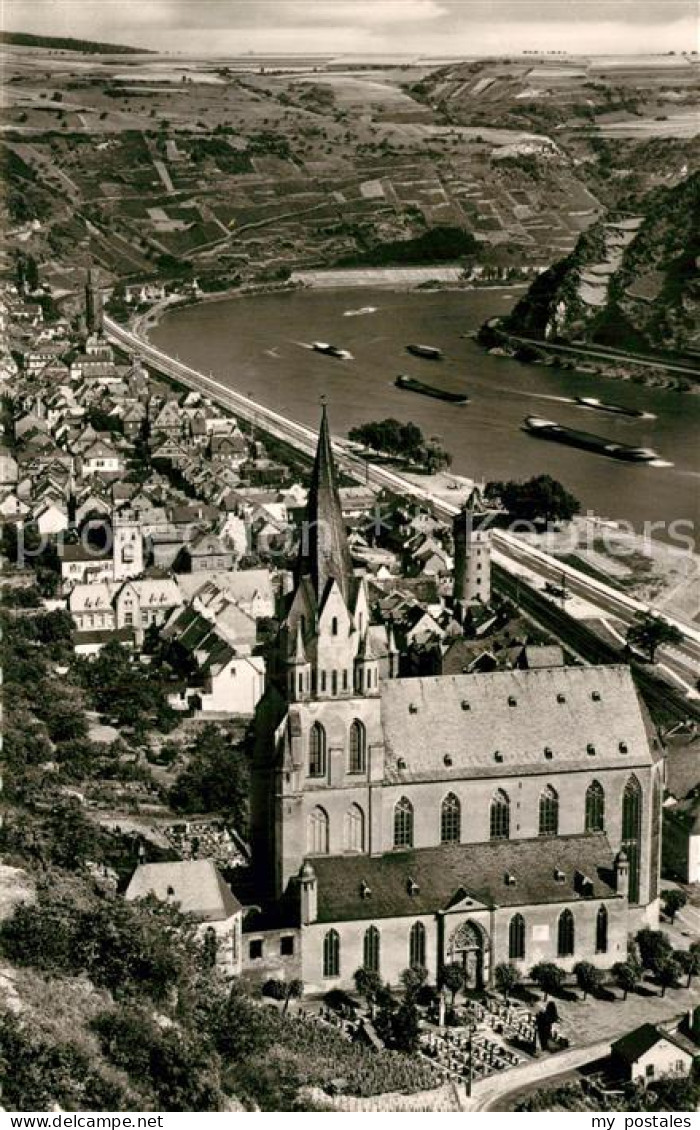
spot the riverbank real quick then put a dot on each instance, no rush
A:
(650, 372)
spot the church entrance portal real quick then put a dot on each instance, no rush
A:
(468, 947)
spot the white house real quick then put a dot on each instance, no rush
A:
(196, 887)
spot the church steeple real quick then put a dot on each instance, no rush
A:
(324, 552)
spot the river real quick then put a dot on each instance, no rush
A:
(260, 346)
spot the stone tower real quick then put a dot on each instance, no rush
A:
(128, 546)
(472, 568)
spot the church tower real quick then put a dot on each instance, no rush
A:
(319, 748)
(93, 303)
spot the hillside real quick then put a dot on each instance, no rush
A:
(59, 43)
(631, 282)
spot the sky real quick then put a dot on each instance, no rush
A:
(428, 27)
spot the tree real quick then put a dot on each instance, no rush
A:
(673, 901)
(649, 633)
(368, 984)
(588, 978)
(452, 979)
(654, 948)
(295, 990)
(667, 972)
(689, 961)
(541, 499)
(626, 975)
(413, 980)
(548, 976)
(507, 977)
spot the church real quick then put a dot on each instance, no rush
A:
(511, 816)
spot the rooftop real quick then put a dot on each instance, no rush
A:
(428, 880)
(195, 886)
(491, 723)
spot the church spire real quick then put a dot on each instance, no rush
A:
(324, 552)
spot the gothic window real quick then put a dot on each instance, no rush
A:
(334, 682)
(354, 829)
(516, 938)
(334, 626)
(331, 954)
(317, 832)
(500, 816)
(370, 950)
(549, 812)
(403, 823)
(358, 747)
(565, 934)
(595, 807)
(632, 832)
(317, 751)
(416, 945)
(601, 931)
(450, 820)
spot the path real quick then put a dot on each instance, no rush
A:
(492, 1091)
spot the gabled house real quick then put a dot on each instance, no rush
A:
(229, 679)
(101, 458)
(206, 552)
(196, 887)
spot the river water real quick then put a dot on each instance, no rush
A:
(260, 346)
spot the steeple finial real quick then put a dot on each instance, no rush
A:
(324, 550)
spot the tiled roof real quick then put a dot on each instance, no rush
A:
(633, 1045)
(501, 722)
(426, 880)
(196, 884)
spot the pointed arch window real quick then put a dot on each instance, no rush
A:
(331, 954)
(358, 748)
(500, 816)
(317, 837)
(549, 812)
(317, 751)
(516, 938)
(595, 807)
(403, 823)
(565, 934)
(370, 950)
(416, 945)
(601, 930)
(450, 820)
(354, 829)
(632, 832)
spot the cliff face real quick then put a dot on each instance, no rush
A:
(630, 283)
